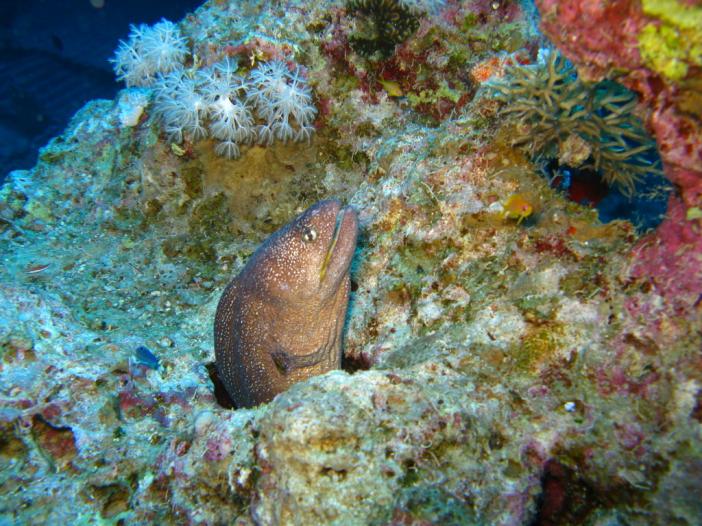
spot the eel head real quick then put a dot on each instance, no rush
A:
(309, 258)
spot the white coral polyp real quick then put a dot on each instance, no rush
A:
(228, 149)
(231, 120)
(284, 100)
(149, 51)
(181, 106)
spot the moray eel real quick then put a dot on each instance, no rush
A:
(280, 320)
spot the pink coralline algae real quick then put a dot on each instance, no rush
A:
(600, 35)
(670, 261)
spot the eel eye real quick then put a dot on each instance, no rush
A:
(309, 234)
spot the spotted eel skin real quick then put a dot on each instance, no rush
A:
(280, 320)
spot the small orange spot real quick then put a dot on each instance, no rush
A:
(517, 207)
(482, 71)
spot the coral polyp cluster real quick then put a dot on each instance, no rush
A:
(208, 102)
(283, 99)
(273, 102)
(556, 115)
(180, 106)
(231, 119)
(149, 51)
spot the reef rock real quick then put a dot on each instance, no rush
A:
(540, 370)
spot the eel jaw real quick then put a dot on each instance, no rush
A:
(332, 245)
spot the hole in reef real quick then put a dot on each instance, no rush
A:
(220, 392)
(339, 473)
(114, 499)
(567, 498)
(351, 364)
(644, 209)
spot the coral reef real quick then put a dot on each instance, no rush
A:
(500, 367)
(672, 44)
(559, 117)
(428, 66)
(670, 91)
(614, 39)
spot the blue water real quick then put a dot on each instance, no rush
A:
(54, 58)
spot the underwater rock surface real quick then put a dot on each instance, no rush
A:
(539, 369)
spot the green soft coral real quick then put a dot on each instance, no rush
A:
(550, 111)
(672, 45)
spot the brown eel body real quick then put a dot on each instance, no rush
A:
(280, 320)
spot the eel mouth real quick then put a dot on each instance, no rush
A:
(345, 218)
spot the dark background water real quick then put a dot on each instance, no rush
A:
(54, 58)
